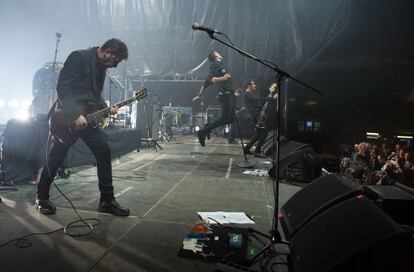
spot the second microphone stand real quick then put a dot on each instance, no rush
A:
(53, 87)
(274, 234)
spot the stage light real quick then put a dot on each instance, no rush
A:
(25, 104)
(404, 137)
(311, 103)
(13, 103)
(227, 129)
(22, 114)
(373, 135)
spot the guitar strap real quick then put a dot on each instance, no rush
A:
(52, 109)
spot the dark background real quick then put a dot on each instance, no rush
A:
(358, 52)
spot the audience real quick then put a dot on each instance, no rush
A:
(374, 164)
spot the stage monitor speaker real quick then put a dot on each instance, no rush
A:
(316, 197)
(354, 235)
(268, 147)
(297, 161)
(394, 201)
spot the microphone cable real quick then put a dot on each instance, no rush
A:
(24, 242)
(70, 225)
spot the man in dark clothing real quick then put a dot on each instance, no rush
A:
(258, 113)
(80, 83)
(222, 80)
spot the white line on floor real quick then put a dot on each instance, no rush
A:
(136, 223)
(94, 212)
(129, 162)
(92, 200)
(148, 163)
(123, 191)
(178, 183)
(116, 195)
(229, 168)
(269, 207)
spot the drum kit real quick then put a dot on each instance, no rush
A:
(43, 93)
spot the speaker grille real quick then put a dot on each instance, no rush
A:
(355, 235)
(313, 199)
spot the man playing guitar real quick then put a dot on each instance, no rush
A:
(80, 84)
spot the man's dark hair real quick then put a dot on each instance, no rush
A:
(117, 47)
(212, 56)
(248, 83)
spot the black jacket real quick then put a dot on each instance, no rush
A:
(217, 70)
(78, 84)
(254, 103)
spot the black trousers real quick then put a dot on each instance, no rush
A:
(226, 117)
(261, 133)
(96, 140)
(259, 137)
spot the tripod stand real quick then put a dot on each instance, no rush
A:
(152, 142)
(274, 236)
(247, 163)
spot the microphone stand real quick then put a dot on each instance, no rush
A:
(247, 163)
(274, 234)
(113, 82)
(53, 87)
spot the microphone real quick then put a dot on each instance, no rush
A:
(196, 26)
(58, 35)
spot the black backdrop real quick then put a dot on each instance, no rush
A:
(359, 52)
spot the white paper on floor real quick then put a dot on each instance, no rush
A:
(257, 172)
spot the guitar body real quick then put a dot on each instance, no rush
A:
(65, 132)
(263, 116)
(59, 128)
(261, 120)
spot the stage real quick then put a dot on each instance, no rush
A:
(164, 191)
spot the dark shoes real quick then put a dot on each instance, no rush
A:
(112, 206)
(259, 155)
(45, 206)
(256, 154)
(105, 206)
(247, 151)
(201, 138)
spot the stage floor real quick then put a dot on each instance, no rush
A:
(164, 191)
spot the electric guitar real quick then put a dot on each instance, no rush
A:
(262, 118)
(65, 133)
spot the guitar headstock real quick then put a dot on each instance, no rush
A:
(141, 93)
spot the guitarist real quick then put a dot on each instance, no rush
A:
(257, 112)
(80, 83)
